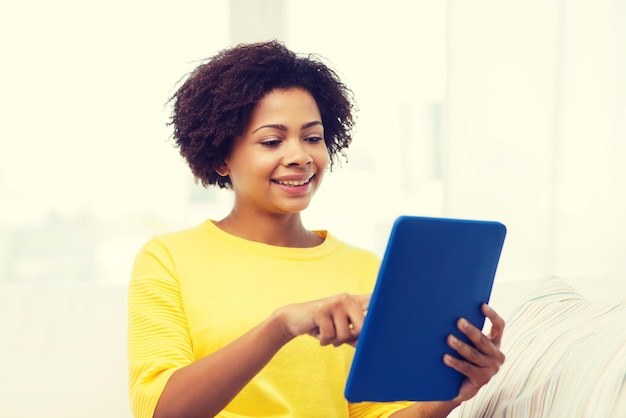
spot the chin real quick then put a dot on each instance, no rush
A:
(295, 208)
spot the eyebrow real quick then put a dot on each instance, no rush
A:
(283, 128)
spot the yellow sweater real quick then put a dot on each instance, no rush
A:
(194, 291)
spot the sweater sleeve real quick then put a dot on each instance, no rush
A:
(158, 336)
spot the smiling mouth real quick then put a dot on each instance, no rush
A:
(292, 183)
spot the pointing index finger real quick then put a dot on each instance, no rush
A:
(364, 300)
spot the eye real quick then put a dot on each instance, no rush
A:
(271, 143)
(314, 139)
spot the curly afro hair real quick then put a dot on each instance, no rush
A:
(215, 103)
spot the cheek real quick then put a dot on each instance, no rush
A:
(322, 160)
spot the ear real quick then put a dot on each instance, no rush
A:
(222, 170)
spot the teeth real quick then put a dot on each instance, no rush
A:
(293, 182)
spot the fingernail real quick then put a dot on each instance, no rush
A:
(463, 323)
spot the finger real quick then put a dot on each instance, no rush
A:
(339, 319)
(486, 353)
(480, 340)
(461, 366)
(468, 352)
(332, 319)
(356, 313)
(476, 376)
(497, 324)
(343, 331)
(325, 329)
(364, 300)
(348, 319)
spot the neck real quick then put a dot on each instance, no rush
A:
(279, 230)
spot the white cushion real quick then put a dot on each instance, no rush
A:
(566, 357)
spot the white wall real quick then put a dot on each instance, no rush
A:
(457, 100)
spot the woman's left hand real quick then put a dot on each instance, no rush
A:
(480, 362)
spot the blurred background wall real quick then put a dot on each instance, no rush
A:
(505, 110)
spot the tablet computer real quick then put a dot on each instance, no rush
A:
(433, 271)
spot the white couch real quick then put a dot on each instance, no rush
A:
(63, 346)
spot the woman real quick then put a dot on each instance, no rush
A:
(253, 314)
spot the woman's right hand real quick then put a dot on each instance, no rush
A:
(333, 320)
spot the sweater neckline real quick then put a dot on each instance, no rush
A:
(328, 245)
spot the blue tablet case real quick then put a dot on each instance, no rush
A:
(434, 271)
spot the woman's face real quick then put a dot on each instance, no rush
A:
(279, 162)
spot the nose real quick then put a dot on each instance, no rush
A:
(296, 153)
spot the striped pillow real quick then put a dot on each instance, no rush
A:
(566, 357)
